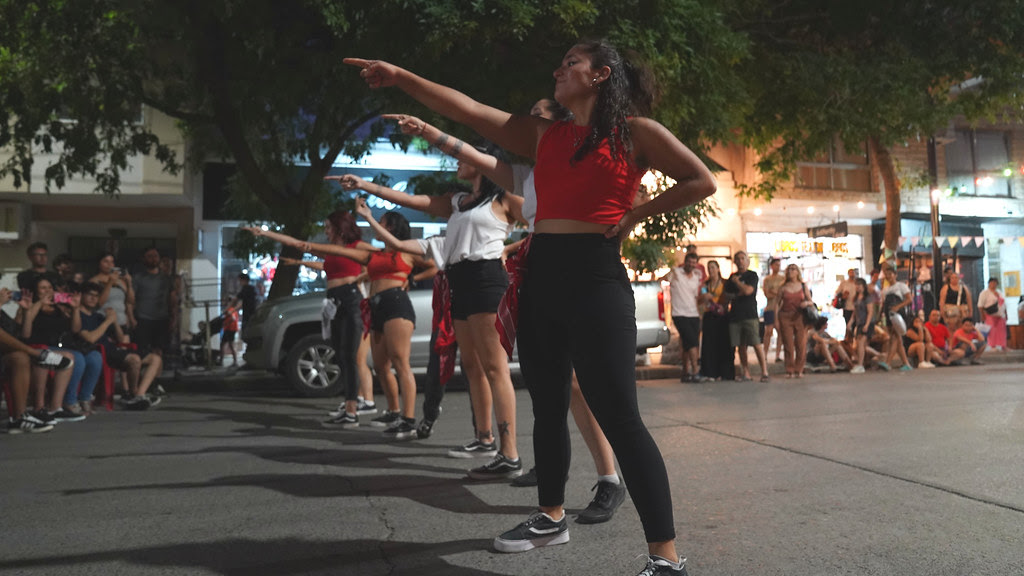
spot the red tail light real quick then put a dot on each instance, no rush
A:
(661, 305)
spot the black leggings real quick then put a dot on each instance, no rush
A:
(346, 334)
(577, 310)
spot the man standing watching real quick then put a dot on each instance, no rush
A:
(844, 294)
(38, 256)
(743, 324)
(770, 287)
(246, 298)
(153, 299)
(684, 287)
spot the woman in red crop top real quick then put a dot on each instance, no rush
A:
(578, 311)
(392, 317)
(350, 347)
(478, 224)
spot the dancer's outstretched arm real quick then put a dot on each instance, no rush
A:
(357, 254)
(389, 239)
(517, 134)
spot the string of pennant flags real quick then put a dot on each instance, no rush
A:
(954, 241)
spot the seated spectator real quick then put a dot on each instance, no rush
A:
(64, 266)
(970, 341)
(103, 329)
(38, 256)
(821, 347)
(918, 342)
(879, 340)
(16, 364)
(42, 324)
(117, 291)
(941, 340)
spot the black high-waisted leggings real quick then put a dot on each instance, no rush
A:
(577, 310)
(346, 334)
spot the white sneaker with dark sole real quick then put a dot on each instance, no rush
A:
(537, 531)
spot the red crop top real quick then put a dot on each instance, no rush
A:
(597, 188)
(342, 267)
(388, 265)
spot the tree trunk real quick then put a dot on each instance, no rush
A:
(893, 207)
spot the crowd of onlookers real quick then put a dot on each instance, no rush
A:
(717, 317)
(69, 337)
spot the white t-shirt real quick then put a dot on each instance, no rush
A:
(684, 289)
(433, 248)
(522, 180)
(990, 297)
(474, 234)
(899, 289)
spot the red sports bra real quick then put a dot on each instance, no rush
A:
(388, 265)
(342, 267)
(597, 189)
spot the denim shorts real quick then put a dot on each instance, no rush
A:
(388, 305)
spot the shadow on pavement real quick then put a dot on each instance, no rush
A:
(247, 557)
(447, 494)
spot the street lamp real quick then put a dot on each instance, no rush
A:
(936, 250)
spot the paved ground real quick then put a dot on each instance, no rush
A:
(898, 474)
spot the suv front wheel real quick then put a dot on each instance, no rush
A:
(312, 369)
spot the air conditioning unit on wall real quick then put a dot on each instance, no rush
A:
(14, 221)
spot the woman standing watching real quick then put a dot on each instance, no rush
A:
(578, 311)
(392, 319)
(716, 353)
(478, 224)
(992, 304)
(862, 323)
(347, 325)
(793, 299)
(955, 299)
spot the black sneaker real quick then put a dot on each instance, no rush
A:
(498, 467)
(138, 404)
(154, 399)
(27, 424)
(345, 420)
(403, 430)
(385, 420)
(539, 530)
(425, 429)
(473, 449)
(526, 480)
(364, 407)
(43, 416)
(658, 566)
(601, 509)
(68, 415)
(52, 360)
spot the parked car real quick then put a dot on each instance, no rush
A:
(284, 336)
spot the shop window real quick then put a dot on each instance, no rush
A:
(838, 169)
(978, 163)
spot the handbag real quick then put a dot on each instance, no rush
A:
(991, 309)
(810, 315)
(839, 302)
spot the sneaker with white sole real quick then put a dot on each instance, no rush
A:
(385, 420)
(925, 364)
(27, 424)
(363, 407)
(404, 429)
(658, 566)
(499, 467)
(52, 360)
(473, 449)
(68, 414)
(537, 531)
(344, 421)
(857, 369)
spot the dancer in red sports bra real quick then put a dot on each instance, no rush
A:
(346, 327)
(392, 317)
(581, 213)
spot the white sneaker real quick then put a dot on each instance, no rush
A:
(925, 364)
(857, 370)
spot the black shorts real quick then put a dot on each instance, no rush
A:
(769, 317)
(388, 305)
(153, 335)
(117, 356)
(477, 287)
(689, 331)
(227, 336)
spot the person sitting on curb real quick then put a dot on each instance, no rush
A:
(970, 341)
(919, 343)
(822, 346)
(104, 329)
(941, 353)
